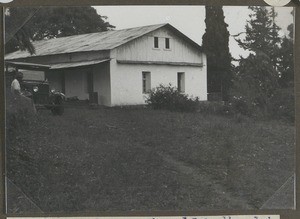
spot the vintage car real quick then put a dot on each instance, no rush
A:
(35, 86)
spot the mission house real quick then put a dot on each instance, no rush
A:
(119, 67)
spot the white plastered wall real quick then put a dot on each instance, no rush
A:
(126, 81)
(101, 80)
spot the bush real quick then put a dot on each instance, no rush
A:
(282, 105)
(20, 117)
(241, 106)
(169, 98)
(215, 107)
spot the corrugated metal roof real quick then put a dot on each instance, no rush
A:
(26, 65)
(86, 42)
(76, 64)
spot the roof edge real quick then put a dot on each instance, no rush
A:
(161, 26)
(157, 26)
(136, 37)
(185, 37)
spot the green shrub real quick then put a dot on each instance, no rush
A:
(169, 98)
(19, 111)
(282, 105)
(215, 107)
(241, 106)
(20, 118)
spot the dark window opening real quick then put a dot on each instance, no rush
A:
(155, 42)
(146, 82)
(167, 43)
(180, 81)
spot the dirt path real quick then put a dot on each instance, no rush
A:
(205, 180)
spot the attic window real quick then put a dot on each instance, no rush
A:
(156, 42)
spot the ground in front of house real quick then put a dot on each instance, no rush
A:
(120, 159)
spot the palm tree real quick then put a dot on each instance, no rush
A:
(17, 36)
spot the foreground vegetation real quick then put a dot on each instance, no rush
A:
(141, 159)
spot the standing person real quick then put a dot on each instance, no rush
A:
(21, 101)
(15, 84)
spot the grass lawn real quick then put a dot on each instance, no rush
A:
(140, 160)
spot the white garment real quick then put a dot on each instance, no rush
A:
(15, 87)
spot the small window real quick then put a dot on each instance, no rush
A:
(146, 82)
(167, 42)
(155, 42)
(180, 81)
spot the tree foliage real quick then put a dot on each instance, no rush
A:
(215, 45)
(286, 64)
(257, 75)
(262, 33)
(256, 81)
(260, 77)
(17, 35)
(49, 22)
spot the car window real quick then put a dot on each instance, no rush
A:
(33, 75)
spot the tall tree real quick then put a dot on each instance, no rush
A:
(17, 36)
(286, 64)
(257, 76)
(262, 33)
(49, 22)
(215, 45)
(256, 81)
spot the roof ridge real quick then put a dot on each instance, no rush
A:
(150, 25)
(131, 28)
(105, 40)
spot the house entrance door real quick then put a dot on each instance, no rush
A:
(93, 96)
(90, 85)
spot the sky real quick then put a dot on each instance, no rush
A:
(188, 19)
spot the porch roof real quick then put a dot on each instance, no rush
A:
(76, 64)
(28, 66)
